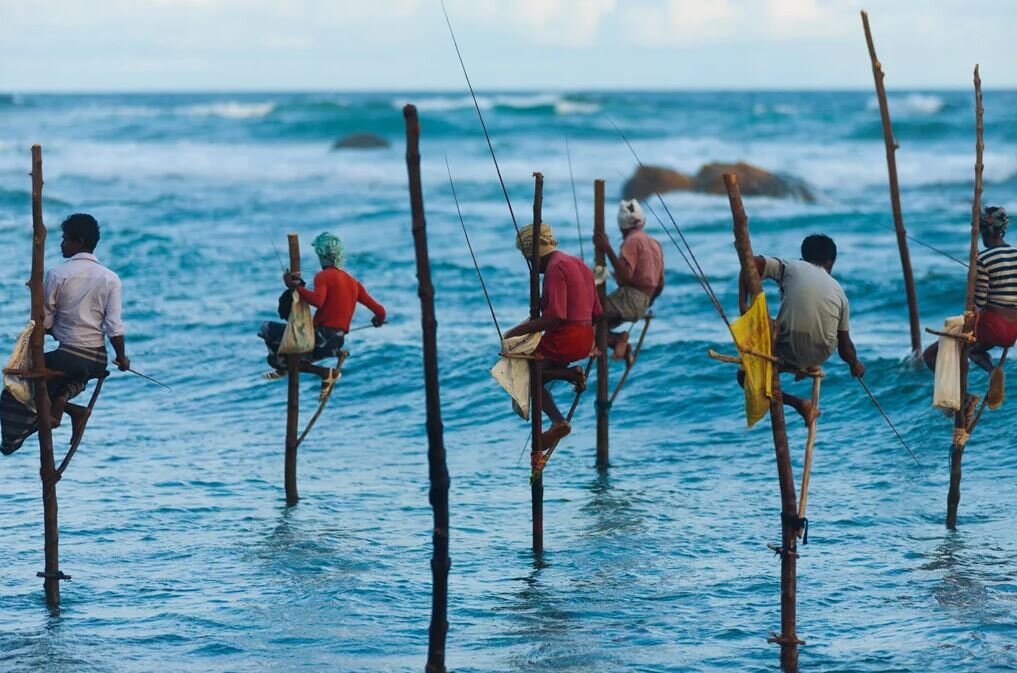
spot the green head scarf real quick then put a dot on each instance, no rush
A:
(330, 249)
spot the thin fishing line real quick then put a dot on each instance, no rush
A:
(469, 245)
(277, 255)
(575, 199)
(480, 116)
(935, 249)
(697, 270)
(878, 406)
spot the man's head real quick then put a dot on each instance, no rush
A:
(630, 216)
(547, 243)
(81, 234)
(329, 249)
(820, 250)
(993, 223)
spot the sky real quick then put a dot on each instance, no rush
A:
(362, 45)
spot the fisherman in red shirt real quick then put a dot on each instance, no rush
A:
(568, 307)
(335, 295)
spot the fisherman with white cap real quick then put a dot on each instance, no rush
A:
(639, 271)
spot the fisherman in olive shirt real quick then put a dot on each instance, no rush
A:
(813, 318)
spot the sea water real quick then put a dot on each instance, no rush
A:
(173, 525)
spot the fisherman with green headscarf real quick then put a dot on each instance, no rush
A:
(335, 295)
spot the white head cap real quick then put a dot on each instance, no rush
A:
(630, 215)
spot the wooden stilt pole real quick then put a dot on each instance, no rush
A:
(898, 217)
(961, 429)
(47, 466)
(787, 638)
(437, 467)
(536, 370)
(603, 404)
(292, 394)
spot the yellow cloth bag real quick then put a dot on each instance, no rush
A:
(752, 332)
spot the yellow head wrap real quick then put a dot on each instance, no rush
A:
(548, 243)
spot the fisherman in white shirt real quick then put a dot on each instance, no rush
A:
(81, 310)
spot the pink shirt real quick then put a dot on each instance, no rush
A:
(569, 292)
(644, 259)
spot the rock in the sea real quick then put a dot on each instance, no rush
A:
(648, 180)
(360, 141)
(753, 181)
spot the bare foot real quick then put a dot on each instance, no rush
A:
(579, 379)
(809, 412)
(630, 357)
(550, 438)
(621, 346)
(994, 398)
(79, 418)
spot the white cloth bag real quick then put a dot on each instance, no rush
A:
(947, 393)
(21, 358)
(514, 374)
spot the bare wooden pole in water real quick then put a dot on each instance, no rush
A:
(603, 404)
(536, 376)
(960, 428)
(787, 638)
(437, 466)
(292, 394)
(47, 466)
(898, 217)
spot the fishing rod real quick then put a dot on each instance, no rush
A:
(370, 324)
(694, 266)
(277, 255)
(146, 376)
(879, 407)
(483, 126)
(469, 245)
(935, 249)
(575, 199)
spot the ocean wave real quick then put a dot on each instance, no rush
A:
(228, 110)
(561, 105)
(915, 104)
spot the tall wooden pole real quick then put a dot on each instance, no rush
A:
(603, 404)
(961, 429)
(47, 466)
(292, 394)
(536, 375)
(787, 638)
(898, 217)
(437, 467)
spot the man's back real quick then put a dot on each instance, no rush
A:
(82, 302)
(997, 277)
(569, 292)
(813, 309)
(645, 260)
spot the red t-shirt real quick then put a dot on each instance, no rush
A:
(335, 295)
(569, 292)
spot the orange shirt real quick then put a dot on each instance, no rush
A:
(335, 295)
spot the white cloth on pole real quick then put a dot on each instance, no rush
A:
(947, 393)
(21, 358)
(513, 374)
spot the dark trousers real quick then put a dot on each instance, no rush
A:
(328, 342)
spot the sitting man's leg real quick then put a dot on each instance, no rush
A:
(979, 354)
(559, 429)
(929, 355)
(272, 333)
(560, 371)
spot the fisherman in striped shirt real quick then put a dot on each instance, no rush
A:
(995, 293)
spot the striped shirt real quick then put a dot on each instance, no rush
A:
(996, 283)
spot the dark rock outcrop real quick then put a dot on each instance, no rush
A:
(360, 141)
(648, 180)
(753, 181)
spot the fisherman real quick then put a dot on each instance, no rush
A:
(568, 307)
(335, 295)
(813, 317)
(81, 310)
(639, 271)
(995, 294)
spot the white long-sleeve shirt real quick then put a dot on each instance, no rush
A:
(82, 302)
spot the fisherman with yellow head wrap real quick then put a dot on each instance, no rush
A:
(568, 307)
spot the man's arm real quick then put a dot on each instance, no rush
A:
(847, 353)
(367, 300)
(541, 324)
(743, 283)
(621, 269)
(113, 326)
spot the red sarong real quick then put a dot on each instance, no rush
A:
(567, 344)
(995, 330)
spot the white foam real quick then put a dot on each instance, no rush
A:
(227, 110)
(913, 104)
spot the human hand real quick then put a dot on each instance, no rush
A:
(857, 369)
(378, 320)
(601, 241)
(123, 362)
(292, 280)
